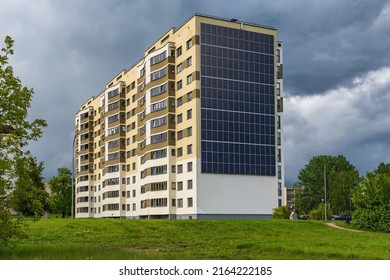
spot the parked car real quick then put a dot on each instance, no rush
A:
(304, 217)
(342, 218)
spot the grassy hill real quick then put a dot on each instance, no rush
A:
(195, 239)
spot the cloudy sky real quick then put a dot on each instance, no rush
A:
(336, 66)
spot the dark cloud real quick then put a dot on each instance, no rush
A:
(68, 50)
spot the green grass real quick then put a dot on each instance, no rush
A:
(195, 239)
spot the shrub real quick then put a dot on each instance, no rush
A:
(282, 212)
(319, 213)
(372, 203)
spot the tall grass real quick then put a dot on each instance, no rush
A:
(195, 239)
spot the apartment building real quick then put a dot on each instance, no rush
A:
(193, 130)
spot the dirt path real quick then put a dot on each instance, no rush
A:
(333, 225)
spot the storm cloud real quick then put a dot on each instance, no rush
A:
(336, 64)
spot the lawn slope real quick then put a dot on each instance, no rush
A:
(195, 239)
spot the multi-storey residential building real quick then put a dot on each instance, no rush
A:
(193, 130)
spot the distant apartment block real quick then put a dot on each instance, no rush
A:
(192, 131)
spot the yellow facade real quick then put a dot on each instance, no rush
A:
(141, 156)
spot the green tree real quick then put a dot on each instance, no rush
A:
(371, 200)
(341, 186)
(319, 212)
(340, 177)
(383, 168)
(61, 192)
(29, 197)
(15, 132)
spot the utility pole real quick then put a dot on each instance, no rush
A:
(73, 152)
(326, 212)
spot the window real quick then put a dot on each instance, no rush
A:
(189, 166)
(278, 89)
(158, 138)
(110, 194)
(179, 186)
(173, 202)
(158, 58)
(189, 79)
(179, 118)
(159, 170)
(158, 122)
(113, 118)
(189, 114)
(179, 51)
(279, 172)
(179, 134)
(84, 136)
(189, 131)
(189, 44)
(142, 86)
(179, 101)
(179, 152)
(111, 207)
(158, 74)
(159, 202)
(179, 68)
(179, 84)
(158, 90)
(142, 72)
(189, 184)
(189, 202)
(189, 61)
(158, 106)
(112, 156)
(158, 154)
(113, 168)
(180, 203)
(113, 143)
(189, 149)
(113, 106)
(180, 168)
(112, 93)
(189, 96)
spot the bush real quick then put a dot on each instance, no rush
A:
(319, 213)
(372, 203)
(282, 212)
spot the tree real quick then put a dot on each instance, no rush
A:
(340, 177)
(15, 132)
(371, 200)
(319, 212)
(383, 168)
(29, 197)
(61, 192)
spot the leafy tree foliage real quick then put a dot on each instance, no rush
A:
(282, 212)
(340, 176)
(371, 200)
(61, 192)
(15, 132)
(319, 213)
(29, 197)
